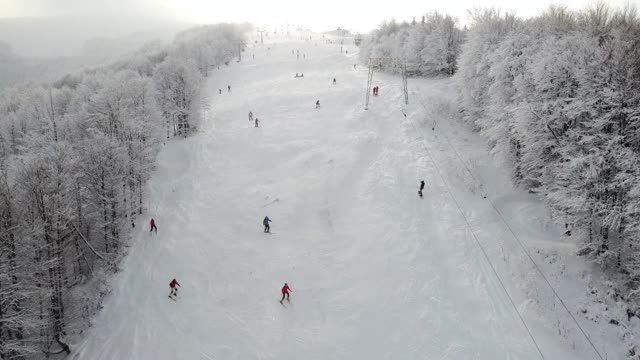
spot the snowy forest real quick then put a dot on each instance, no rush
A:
(75, 156)
(557, 97)
(428, 48)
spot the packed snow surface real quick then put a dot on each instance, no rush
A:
(376, 271)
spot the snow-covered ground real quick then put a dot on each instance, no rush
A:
(376, 272)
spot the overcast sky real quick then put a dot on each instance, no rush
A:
(358, 15)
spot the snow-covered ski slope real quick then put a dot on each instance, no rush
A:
(376, 272)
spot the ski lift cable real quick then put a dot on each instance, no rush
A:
(517, 239)
(477, 241)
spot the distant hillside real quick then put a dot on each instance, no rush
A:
(72, 36)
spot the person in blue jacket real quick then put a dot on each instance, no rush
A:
(266, 222)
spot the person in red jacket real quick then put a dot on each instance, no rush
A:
(153, 226)
(285, 292)
(174, 289)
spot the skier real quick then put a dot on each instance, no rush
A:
(153, 226)
(317, 104)
(174, 289)
(228, 88)
(220, 91)
(285, 292)
(256, 122)
(266, 222)
(250, 116)
(354, 66)
(421, 187)
(334, 81)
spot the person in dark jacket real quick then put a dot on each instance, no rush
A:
(153, 226)
(266, 222)
(174, 289)
(421, 187)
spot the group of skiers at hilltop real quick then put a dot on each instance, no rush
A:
(228, 89)
(251, 118)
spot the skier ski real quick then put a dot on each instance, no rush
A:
(266, 222)
(174, 289)
(285, 292)
(317, 104)
(250, 116)
(153, 225)
(421, 187)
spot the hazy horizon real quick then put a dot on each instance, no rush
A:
(60, 28)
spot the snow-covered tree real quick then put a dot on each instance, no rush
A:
(75, 156)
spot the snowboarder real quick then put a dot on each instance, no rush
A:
(421, 187)
(256, 122)
(153, 226)
(228, 88)
(266, 222)
(250, 116)
(334, 81)
(317, 104)
(174, 289)
(285, 292)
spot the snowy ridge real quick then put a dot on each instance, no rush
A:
(376, 272)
